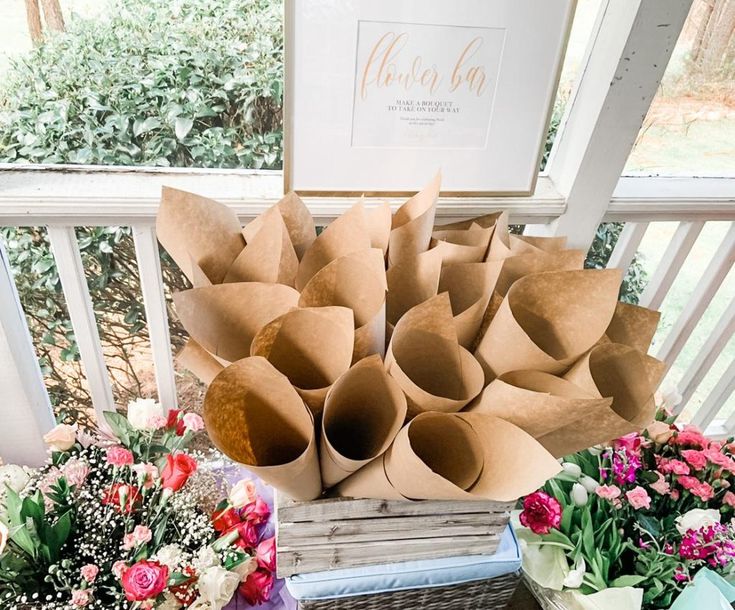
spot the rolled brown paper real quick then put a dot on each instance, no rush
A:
(363, 412)
(224, 318)
(268, 256)
(458, 246)
(548, 320)
(424, 357)
(255, 417)
(539, 403)
(504, 244)
(346, 235)
(195, 229)
(633, 326)
(486, 221)
(379, 220)
(470, 287)
(610, 370)
(297, 218)
(412, 282)
(199, 361)
(413, 223)
(356, 281)
(455, 456)
(311, 346)
(516, 267)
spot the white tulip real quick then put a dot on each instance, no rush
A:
(697, 518)
(572, 469)
(143, 412)
(596, 449)
(589, 483)
(579, 494)
(574, 579)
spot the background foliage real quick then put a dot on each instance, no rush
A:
(185, 83)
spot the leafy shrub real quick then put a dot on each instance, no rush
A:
(193, 83)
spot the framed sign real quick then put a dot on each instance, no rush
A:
(381, 94)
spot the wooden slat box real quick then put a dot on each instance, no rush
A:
(345, 533)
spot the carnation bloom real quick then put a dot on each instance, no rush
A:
(729, 498)
(81, 597)
(638, 498)
(119, 456)
(75, 471)
(698, 488)
(696, 459)
(177, 471)
(193, 422)
(141, 413)
(123, 497)
(690, 436)
(661, 486)
(89, 572)
(118, 568)
(257, 588)
(144, 580)
(608, 492)
(673, 467)
(541, 512)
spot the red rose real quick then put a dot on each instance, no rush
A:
(177, 471)
(223, 520)
(541, 512)
(257, 588)
(115, 494)
(266, 554)
(144, 580)
(175, 424)
(257, 512)
(248, 535)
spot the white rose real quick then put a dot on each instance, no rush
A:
(141, 413)
(579, 494)
(62, 437)
(697, 518)
(4, 532)
(574, 579)
(169, 555)
(217, 586)
(242, 493)
(14, 477)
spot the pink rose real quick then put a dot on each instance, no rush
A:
(89, 572)
(661, 486)
(638, 498)
(257, 511)
(81, 597)
(118, 569)
(608, 492)
(541, 512)
(144, 580)
(696, 459)
(119, 456)
(266, 554)
(257, 588)
(729, 498)
(192, 422)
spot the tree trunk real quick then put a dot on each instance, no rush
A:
(33, 17)
(54, 16)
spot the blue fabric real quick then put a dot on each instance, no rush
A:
(409, 574)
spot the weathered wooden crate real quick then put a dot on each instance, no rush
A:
(344, 533)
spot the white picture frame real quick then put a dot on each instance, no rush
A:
(382, 94)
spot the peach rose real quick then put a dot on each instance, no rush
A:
(62, 437)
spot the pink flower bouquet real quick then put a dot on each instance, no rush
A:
(647, 512)
(130, 520)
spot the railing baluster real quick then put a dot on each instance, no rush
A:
(705, 290)
(79, 304)
(707, 356)
(716, 399)
(627, 245)
(151, 283)
(674, 257)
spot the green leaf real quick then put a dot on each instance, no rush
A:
(628, 580)
(120, 426)
(650, 524)
(149, 124)
(182, 127)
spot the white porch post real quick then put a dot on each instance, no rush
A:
(25, 411)
(630, 48)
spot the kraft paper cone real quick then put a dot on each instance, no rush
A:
(504, 244)
(346, 235)
(363, 412)
(610, 370)
(548, 320)
(311, 346)
(379, 220)
(199, 361)
(486, 221)
(470, 287)
(457, 246)
(516, 267)
(540, 404)
(255, 417)
(224, 318)
(268, 256)
(424, 357)
(634, 326)
(297, 218)
(195, 229)
(412, 282)
(413, 223)
(356, 281)
(458, 456)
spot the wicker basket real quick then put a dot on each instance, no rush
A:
(492, 594)
(548, 599)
